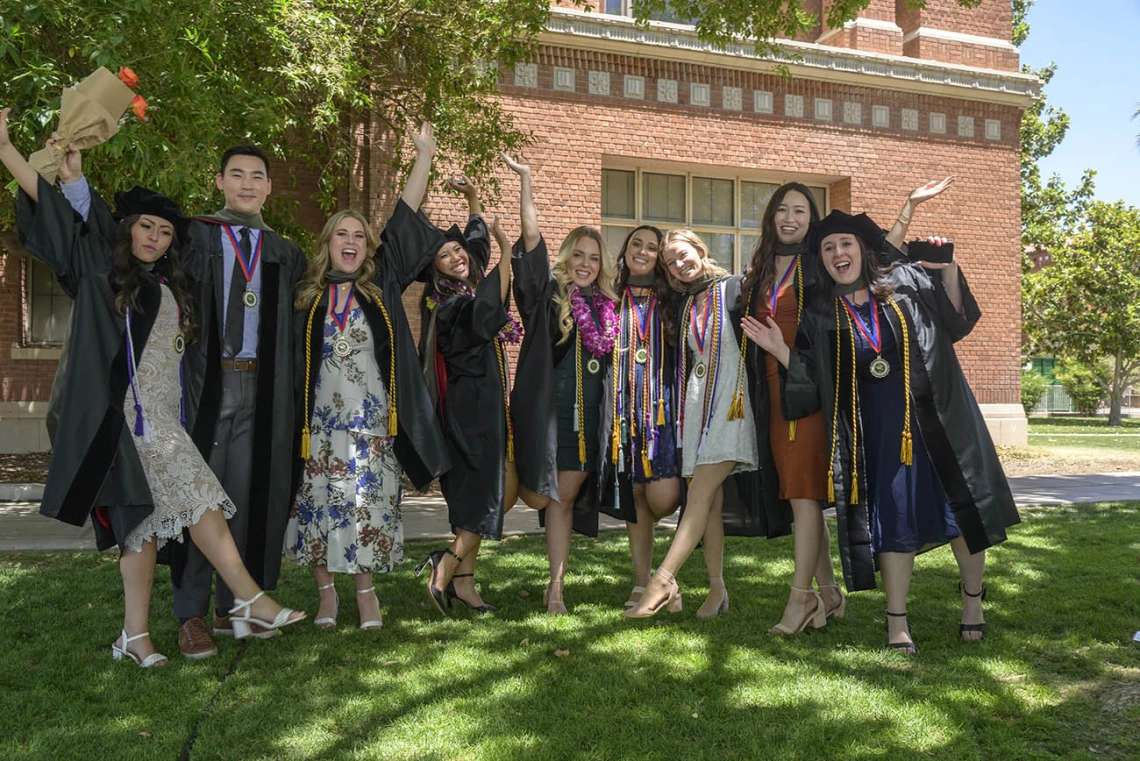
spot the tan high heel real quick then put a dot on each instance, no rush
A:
(816, 617)
(722, 606)
(672, 599)
(839, 610)
(553, 603)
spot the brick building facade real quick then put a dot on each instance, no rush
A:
(637, 124)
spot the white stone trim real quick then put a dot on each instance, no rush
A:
(823, 109)
(880, 116)
(762, 101)
(965, 126)
(1007, 424)
(910, 119)
(938, 123)
(34, 352)
(633, 86)
(673, 42)
(852, 112)
(564, 79)
(968, 39)
(526, 75)
(794, 105)
(732, 98)
(599, 82)
(700, 94)
(993, 129)
(667, 90)
(865, 23)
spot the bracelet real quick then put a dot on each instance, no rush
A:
(902, 221)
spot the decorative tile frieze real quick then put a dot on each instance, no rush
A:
(965, 126)
(993, 129)
(700, 94)
(910, 119)
(599, 82)
(880, 116)
(526, 75)
(633, 86)
(938, 123)
(732, 98)
(564, 79)
(823, 109)
(762, 101)
(852, 112)
(667, 90)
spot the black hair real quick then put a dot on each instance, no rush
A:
(244, 150)
(128, 274)
(762, 268)
(666, 297)
(875, 273)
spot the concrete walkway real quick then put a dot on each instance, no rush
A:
(22, 529)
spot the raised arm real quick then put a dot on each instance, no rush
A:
(461, 184)
(27, 177)
(504, 265)
(897, 235)
(417, 183)
(529, 213)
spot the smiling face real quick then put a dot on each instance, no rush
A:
(641, 253)
(792, 217)
(348, 246)
(585, 261)
(452, 261)
(245, 183)
(683, 260)
(151, 237)
(842, 257)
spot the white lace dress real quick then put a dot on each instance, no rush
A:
(725, 440)
(181, 483)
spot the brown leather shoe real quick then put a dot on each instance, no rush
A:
(223, 627)
(195, 641)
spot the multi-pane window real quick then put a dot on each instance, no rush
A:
(49, 308)
(625, 8)
(725, 211)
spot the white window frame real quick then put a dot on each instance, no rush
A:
(740, 257)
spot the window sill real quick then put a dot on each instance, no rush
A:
(46, 353)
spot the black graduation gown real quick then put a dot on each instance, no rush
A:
(274, 452)
(94, 461)
(944, 408)
(406, 246)
(615, 485)
(534, 406)
(472, 407)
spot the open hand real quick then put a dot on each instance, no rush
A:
(71, 166)
(517, 167)
(425, 140)
(930, 190)
(766, 335)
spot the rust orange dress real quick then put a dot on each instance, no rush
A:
(801, 463)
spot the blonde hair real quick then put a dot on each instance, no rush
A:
(604, 282)
(710, 265)
(313, 283)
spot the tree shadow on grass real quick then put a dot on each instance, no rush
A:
(521, 684)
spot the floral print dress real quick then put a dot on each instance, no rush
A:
(347, 512)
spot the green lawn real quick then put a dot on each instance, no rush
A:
(1056, 676)
(1081, 425)
(1090, 433)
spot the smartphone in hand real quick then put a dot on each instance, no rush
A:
(925, 251)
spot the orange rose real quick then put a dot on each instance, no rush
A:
(129, 78)
(139, 106)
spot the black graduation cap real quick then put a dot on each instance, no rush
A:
(455, 234)
(842, 222)
(140, 200)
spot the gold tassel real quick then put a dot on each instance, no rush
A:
(831, 486)
(661, 412)
(736, 409)
(581, 449)
(306, 453)
(615, 443)
(855, 491)
(393, 427)
(646, 468)
(510, 448)
(791, 430)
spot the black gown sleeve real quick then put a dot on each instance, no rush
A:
(52, 232)
(930, 292)
(408, 244)
(478, 242)
(465, 322)
(799, 395)
(534, 283)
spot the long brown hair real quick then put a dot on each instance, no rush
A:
(666, 296)
(126, 279)
(313, 283)
(762, 269)
(709, 265)
(875, 274)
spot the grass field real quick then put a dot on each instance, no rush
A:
(1084, 434)
(1055, 678)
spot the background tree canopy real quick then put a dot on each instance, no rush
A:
(297, 76)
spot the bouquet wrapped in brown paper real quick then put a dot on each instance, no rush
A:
(89, 115)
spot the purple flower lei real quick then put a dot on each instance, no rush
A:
(597, 341)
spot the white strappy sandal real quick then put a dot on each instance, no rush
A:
(152, 660)
(325, 622)
(242, 621)
(370, 624)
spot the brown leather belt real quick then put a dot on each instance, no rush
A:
(241, 365)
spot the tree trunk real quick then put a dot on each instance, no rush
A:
(1116, 394)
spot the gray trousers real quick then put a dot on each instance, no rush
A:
(231, 461)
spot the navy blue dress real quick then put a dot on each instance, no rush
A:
(909, 511)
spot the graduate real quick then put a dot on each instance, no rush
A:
(239, 379)
(715, 427)
(365, 412)
(779, 283)
(911, 464)
(127, 461)
(571, 324)
(463, 345)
